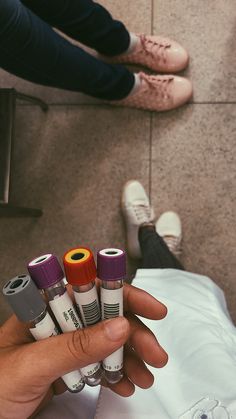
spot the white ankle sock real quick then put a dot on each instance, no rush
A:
(133, 42)
(137, 84)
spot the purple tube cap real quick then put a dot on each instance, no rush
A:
(45, 271)
(111, 264)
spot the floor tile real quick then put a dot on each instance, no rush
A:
(135, 14)
(207, 29)
(72, 162)
(193, 173)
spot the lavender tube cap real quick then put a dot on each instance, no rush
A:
(111, 264)
(45, 271)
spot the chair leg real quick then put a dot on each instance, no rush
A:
(7, 210)
(33, 99)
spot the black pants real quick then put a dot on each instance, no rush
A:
(155, 252)
(31, 49)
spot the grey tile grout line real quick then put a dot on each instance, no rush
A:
(151, 119)
(120, 107)
(214, 103)
(150, 158)
(152, 16)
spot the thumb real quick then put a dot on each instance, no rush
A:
(58, 355)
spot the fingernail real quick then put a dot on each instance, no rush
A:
(115, 329)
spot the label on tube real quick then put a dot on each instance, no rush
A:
(44, 329)
(112, 306)
(65, 313)
(112, 303)
(88, 306)
(69, 321)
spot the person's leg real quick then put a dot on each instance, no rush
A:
(91, 24)
(84, 21)
(31, 49)
(143, 241)
(155, 252)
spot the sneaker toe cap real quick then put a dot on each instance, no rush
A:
(178, 58)
(169, 224)
(134, 190)
(182, 91)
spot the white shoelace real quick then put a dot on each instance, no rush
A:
(142, 212)
(173, 244)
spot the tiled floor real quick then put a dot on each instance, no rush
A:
(73, 161)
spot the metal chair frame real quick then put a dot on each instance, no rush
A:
(8, 99)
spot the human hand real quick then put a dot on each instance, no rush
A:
(30, 371)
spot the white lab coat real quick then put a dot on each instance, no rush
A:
(199, 381)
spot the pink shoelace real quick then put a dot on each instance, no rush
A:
(160, 87)
(154, 48)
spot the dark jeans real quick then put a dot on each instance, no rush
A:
(155, 252)
(31, 49)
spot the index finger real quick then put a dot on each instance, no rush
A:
(142, 303)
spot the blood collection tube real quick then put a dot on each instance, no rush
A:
(111, 266)
(48, 275)
(80, 270)
(30, 307)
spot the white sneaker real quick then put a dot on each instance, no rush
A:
(136, 210)
(168, 226)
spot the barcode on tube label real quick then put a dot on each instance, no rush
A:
(88, 306)
(90, 313)
(112, 303)
(111, 310)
